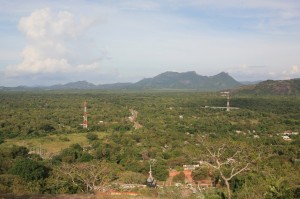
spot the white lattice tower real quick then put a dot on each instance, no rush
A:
(227, 94)
(85, 122)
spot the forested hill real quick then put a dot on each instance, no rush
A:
(271, 87)
(168, 80)
(188, 80)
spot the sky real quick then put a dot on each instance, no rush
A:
(46, 42)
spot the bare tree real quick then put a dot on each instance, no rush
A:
(92, 175)
(227, 164)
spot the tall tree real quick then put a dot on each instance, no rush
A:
(227, 164)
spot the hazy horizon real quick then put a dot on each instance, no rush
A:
(84, 80)
(51, 42)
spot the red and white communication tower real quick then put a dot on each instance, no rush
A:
(85, 122)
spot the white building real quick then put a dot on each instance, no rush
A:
(286, 138)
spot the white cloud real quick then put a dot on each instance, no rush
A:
(293, 72)
(44, 23)
(295, 69)
(47, 49)
(263, 72)
(87, 67)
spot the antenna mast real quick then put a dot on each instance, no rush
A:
(228, 107)
(227, 94)
(85, 122)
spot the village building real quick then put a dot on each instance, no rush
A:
(190, 167)
(286, 138)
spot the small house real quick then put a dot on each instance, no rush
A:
(286, 138)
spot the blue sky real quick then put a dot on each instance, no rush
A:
(45, 42)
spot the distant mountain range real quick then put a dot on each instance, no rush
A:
(168, 80)
(165, 81)
(271, 87)
(188, 80)
(184, 81)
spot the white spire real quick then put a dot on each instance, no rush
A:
(150, 172)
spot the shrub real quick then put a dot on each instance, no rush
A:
(92, 136)
(179, 178)
(29, 170)
(200, 173)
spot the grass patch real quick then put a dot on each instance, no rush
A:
(51, 144)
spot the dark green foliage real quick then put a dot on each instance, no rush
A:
(6, 159)
(85, 157)
(297, 192)
(92, 136)
(19, 151)
(54, 186)
(29, 170)
(47, 128)
(179, 178)
(236, 183)
(200, 173)
(130, 177)
(71, 154)
(9, 183)
(279, 190)
(160, 171)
